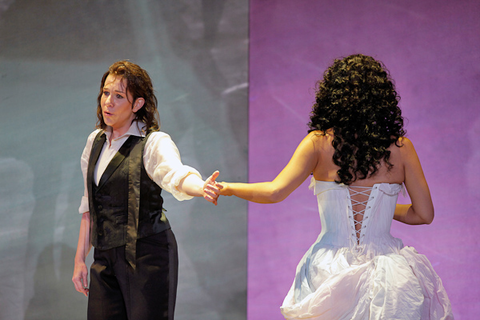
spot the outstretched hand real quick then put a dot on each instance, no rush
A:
(211, 189)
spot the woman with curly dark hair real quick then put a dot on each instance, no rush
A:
(126, 164)
(359, 159)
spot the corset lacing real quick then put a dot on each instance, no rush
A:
(359, 197)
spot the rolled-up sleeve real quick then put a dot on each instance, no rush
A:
(84, 166)
(164, 166)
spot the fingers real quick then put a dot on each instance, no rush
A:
(85, 292)
(85, 282)
(210, 182)
(214, 176)
(211, 189)
(81, 287)
(210, 196)
(80, 280)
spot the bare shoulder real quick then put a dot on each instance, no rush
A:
(405, 148)
(404, 156)
(315, 135)
(405, 142)
(401, 148)
(322, 140)
(325, 169)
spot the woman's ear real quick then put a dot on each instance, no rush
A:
(138, 104)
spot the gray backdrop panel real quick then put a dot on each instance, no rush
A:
(52, 56)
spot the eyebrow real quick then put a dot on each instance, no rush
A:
(104, 87)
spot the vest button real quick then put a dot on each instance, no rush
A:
(100, 207)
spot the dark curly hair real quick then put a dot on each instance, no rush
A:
(357, 99)
(139, 85)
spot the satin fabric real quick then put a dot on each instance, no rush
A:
(373, 276)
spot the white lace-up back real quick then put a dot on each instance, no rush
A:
(359, 197)
(356, 269)
(354, 216)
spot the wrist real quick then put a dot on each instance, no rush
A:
(78, 261)
(226, 190)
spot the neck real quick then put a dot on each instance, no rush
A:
(120, 131)
(117, 133)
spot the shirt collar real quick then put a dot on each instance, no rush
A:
(137, 128)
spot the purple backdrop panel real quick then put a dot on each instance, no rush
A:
(432, 51)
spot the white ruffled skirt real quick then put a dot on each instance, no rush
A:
(366, 283)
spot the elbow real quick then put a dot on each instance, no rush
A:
(426, 221)
(428, 218)
(420, 215)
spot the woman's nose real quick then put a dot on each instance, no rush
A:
(108, 100)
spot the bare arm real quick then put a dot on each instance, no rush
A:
(80, 272)
(421, 210)
(194, 186)
(299, 167)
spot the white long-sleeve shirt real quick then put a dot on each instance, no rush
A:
(161, 159)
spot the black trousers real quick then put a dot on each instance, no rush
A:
(148, 292)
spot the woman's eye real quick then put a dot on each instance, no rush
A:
(119, 96)
(106, 93)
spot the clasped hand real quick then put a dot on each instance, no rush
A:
(211, 188)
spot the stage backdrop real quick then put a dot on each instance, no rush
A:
(432, 50)
(52, 57)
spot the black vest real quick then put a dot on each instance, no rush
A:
(126, 205)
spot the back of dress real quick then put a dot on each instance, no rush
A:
(356, 269)
(357, 217)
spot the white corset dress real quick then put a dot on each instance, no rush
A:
(356, 269)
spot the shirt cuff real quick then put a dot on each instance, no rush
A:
(84, 205)
(179, 175)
